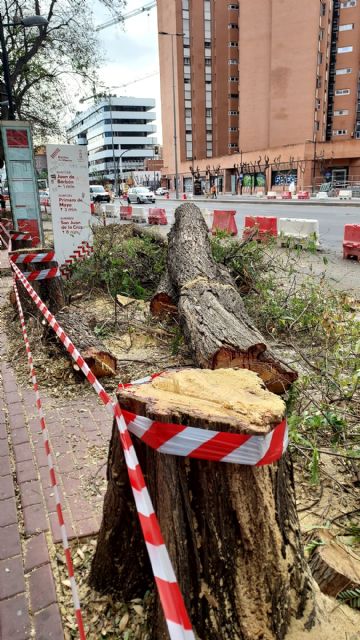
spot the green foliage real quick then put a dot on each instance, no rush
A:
(312, 545)
(350, 597)
(121, 263)
(244, 260)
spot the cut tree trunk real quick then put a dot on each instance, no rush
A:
(231, 530)
(163, 302)
(335, 567)
(98, 358)
(212, 314)
(50, 290)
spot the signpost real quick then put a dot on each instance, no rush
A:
(70, 198)
(21, 177)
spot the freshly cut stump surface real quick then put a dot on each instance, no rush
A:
(231, 530)
(234, 400)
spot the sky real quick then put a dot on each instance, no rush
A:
(131, 52)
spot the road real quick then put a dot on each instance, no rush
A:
(331, 219)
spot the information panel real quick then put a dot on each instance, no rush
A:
(69, 198)
(21, 175)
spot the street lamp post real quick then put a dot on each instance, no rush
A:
(313, 164)
(30, 21)
(173, 35)
(120, 163)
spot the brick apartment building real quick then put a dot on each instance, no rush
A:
(266, 92)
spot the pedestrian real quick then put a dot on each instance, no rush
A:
(213, 191)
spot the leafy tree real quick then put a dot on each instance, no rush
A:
(42, 60)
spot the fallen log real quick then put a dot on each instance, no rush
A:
(334, 566)
(212, 314)
(98, 358)
(231, 529)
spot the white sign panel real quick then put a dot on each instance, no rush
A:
(69, 198)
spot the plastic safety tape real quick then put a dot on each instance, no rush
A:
(25, 258)
(44, 274)
(5, 230)
(205, 444)
(20, 235)
(53, 480)
(178, 622)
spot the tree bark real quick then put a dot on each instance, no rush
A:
(335, 567)
(231, 530)
(98, 358)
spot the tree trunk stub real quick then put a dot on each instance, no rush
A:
(98, 358)
(164, 299)
(231, 530)
(334, 566)
(211, 311)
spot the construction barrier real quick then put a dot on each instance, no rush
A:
(92, 208)
(345, 194)
(299, 230)
(32, 227)
(208, 217)
(138, 214)
(184, 196)
(110, 210)
(261, 227)
(286, 195)
(271, 195)
(125, 212)
(351, 242)
(303, 195)
(322, 195)
(157, 216)
(224, 221)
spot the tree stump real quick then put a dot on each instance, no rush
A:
(334, 566)
(231, 530)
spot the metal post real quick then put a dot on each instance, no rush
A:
(174, 109)
(314, 165)
(6, 69)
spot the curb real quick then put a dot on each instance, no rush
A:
(259, 201)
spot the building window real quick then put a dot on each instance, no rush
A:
(232, 145)
(233, 95)
(233, 44)
(342, 92)
(207, 44)
(348, 4)
(342, 72)
(346, 27)
(233, 113)
(233, 129)
(187, 81)
(322, 8)
(233, 6)
(320, 57)
(318, 82)
(340, 132)
(232, 25)
(208, 113)
(186, 61)
(207, 62)
(233, 79)
(341, 112)
(232, 61)
(321, 34)
(344, 49)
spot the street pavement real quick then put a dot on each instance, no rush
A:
(331, 218)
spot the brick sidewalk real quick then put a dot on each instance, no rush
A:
(79, 432)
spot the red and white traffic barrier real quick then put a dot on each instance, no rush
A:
(53, 481)
(178, 622)
(25, 258)
(44, 274)
(20, 235)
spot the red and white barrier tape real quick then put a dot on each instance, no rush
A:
(53, 481)
(20, 235)
(25, 258)
(181, 440)
(44, 274)
(5, 230)
(178, 622)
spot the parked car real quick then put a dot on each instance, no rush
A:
(98, 193)
(141, 195)
(161, 191)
